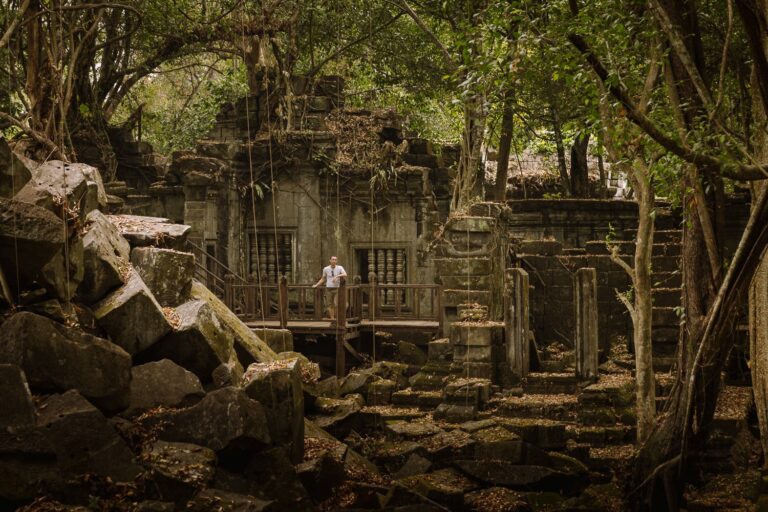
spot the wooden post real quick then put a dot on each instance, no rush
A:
(319, 295)
(373, 297)
(585, 297)
(229, 291)
(341, 327)
(283, 301)
(250, 297)
(357, 302)
(516, 326)
(265, 300)
(440, 313)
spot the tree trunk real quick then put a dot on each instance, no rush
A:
(643, 304)
(561, 164)
(505, 144)
(758, 293)
(579, 167)
(468, 185)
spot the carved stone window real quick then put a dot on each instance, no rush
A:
(272, 254)
(390, 266)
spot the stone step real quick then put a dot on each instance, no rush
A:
(454, 297)
(666, 297)
(665, 316)
(611, 458)
(627, 248)
(553, 407)
(613, 390)
(661, 236)
(663, 364)
(551, 383)
(602, 435)
(667, 279)
(604, 416)
(544, 433)
(413, 398)
(665, 263)
(665, 339)
(462, 266)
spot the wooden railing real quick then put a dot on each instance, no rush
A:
(253, 299)
(209, 270)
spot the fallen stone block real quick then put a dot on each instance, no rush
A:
(274, 477)
(500, 498)
(338, 416)
(58, 358)
(310, 371)
(16, 407)
(83, 439)
(412, 429)
(248, 345)
(131, 316)
(166, 272)
(105, 258)
(63, 274)
(215, 499)
(162, 384)
(409, 353)
(224, 420)
(445, 486)
(27, 465)
(278, 387)
(56, 183)
(498, 443)
(415, 465)
(198, 342)
(321, 474)
(357, 382)
(143, 231)
(453, 413)
(521, 477)
(30, 237)
(380, 392)
(279, 340)
(178, 470)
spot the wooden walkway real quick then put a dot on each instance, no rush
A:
(353, 330)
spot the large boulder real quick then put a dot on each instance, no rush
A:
(131, 316)
(14, 174)
(59, 358)
(249, 346)
(277, 386)
(56, 183)
(162, 384)
(225, 420)
(63, 274)
(83, 439)
(199, 343)
(143, 231)
(168, 273)
(30, 237)
(27, 464)
(16, 407)
(105, 258)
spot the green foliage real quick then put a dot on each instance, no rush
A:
(180, 106)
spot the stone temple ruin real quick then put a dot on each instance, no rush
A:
(165, 349)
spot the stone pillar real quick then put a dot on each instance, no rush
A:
(585, 297)
(516, 329)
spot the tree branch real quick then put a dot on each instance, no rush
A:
(733, 171)
(355, 42)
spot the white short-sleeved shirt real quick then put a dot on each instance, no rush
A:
(329, 273)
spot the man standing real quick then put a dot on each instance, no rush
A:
(332, 275)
